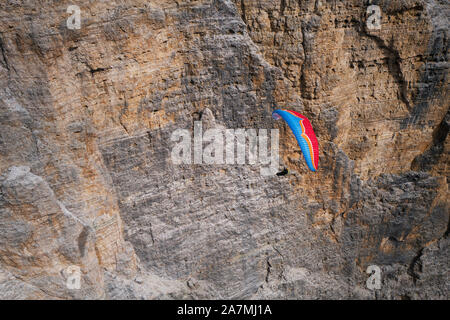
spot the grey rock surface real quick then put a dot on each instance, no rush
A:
(86, 177)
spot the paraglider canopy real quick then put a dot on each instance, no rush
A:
(304, 133)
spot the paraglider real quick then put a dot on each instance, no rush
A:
(304, 133)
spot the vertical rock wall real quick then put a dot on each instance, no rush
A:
(87, 179)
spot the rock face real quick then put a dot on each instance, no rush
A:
(87, 178)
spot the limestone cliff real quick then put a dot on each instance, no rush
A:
(86, 177)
